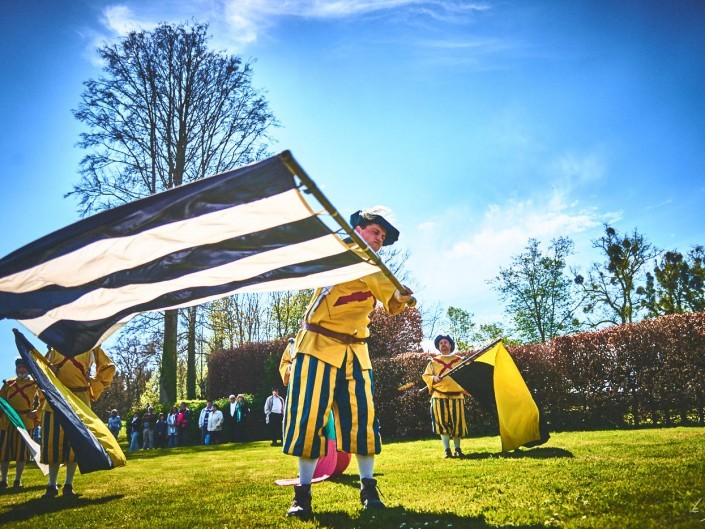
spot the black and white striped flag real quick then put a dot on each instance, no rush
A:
(247, 230)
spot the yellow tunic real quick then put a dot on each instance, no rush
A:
(447, 388)
(24, 397)
(345, 308)
(75, 374)
(21, 394)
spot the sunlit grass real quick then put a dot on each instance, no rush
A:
(628, 478)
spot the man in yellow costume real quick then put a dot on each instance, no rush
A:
(25, 398)
(331, 369)
(86, 376)
(447, 397)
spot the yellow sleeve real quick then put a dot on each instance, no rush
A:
(383, 290)
(285, 363)
(104, 373)
(40, 399)
(428, 377)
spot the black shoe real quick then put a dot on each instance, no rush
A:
(369, 497)
(459, 452)
(68, 491)
(449, 454)
(17, 484)
(301, 506)
(51, 492)
(3, 484)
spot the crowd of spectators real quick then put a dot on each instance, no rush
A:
(150, 430)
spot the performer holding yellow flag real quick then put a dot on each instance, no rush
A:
(75, 374)
(447, 397)
(25, 398)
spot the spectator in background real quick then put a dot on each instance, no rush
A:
(182, 420)
(171, 427)
(114, 423)
(215, 426)
(242, 411)
(230, 420)
(274, 415)
(148, 421)
(133, 433)
(203, 420)
(160, 432)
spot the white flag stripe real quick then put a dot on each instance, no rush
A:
(35, 450)
(111, 255)
(322, 279)
(105, 302)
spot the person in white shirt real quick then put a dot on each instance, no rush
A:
(230, 420)
(215, 426)
(203, 420)
(274, 412)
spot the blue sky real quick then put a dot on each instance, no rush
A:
(481, 124)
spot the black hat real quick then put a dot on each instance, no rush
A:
(372, 216)
(447, 337)
(19, 361)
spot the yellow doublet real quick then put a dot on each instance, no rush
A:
(21, 395)
(346, 309)
(75, 373)
(447, 388)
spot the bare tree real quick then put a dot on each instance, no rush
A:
(167, 111)
(286, 312)
(134, 361)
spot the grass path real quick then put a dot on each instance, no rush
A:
(637, 478)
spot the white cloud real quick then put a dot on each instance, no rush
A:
(237, 23)
(570, 170)
(456, 253)
(120, 20)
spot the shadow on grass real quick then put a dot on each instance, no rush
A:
(36, 506)
(400, 517)
(534, 453)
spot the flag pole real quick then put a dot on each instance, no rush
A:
(465, 362)
(293, 166)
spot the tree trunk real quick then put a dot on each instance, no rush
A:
(167, 378)
(635, 412)
(191, 355)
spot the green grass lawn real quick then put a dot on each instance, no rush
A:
(637, 478)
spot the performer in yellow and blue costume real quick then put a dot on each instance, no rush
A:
(86, 376)
(25, 398)
(447, 397)
(331, 370)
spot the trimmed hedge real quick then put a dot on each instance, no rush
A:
(651, 372)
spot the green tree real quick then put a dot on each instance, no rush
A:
(167, 111)
(611, 286)
(676, 285)
(490, 332)
(461, 327)
(539, 295)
